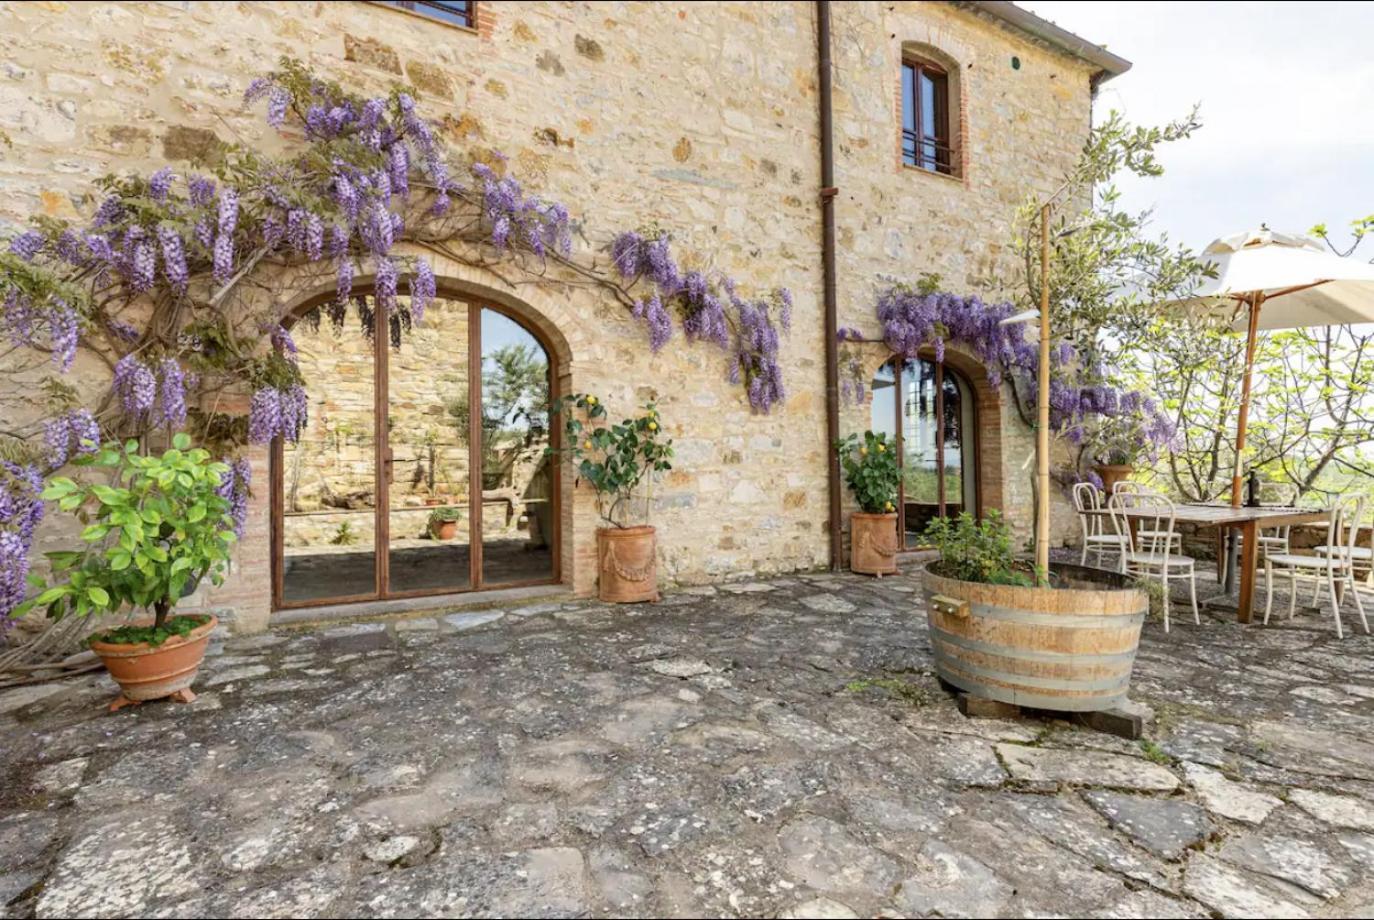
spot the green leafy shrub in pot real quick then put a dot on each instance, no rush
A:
(978, 551)
(620, 461)
(870, 471)
(617, 460)
(445, 515)
(159, 527)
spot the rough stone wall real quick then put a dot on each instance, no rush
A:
(699, 118)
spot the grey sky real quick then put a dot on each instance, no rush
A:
(1287, 95)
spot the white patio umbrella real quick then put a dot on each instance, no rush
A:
(1276, 281)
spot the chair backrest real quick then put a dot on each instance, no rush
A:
(1086, 497)
(1153, 514)
(1128, 487)
(1350, 513)
(1087, 500)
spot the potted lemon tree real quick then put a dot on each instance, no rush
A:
(620, 461)
(871, 472)
(155, 529)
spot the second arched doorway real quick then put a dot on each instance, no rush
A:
(931, 412)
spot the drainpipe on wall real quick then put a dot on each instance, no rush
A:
(832, 358)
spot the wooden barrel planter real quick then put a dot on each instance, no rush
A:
(1069, 648)
(628, 564)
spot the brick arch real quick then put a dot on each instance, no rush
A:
(566, 335)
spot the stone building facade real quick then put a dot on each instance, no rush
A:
(699, 118)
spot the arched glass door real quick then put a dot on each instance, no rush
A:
(928, 410)
(422, 469)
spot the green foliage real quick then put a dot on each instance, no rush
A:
(1153, 752)
(981, 551)
(870, 471)
(616, 460)
(445, 515)
(904, 690)
(158, 526)
(153, 635)
(344, 535)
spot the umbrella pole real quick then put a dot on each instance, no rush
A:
(1256, 302)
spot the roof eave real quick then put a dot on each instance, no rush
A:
(1108, 65)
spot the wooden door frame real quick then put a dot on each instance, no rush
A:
(897, 362)
(383, 458)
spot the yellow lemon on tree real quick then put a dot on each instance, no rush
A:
(881, 448)
(863, 451)
(586, 445)
(591, 400)
(653, 426)
(889, 506)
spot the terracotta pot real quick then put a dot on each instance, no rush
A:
(1112, 473)
(444, 530)
(873, 543)
(628, 564)
(146, 672)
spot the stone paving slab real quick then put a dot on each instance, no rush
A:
(767, 748)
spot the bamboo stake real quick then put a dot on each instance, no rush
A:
(1042, 435)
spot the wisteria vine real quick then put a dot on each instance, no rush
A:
(158, 283)
(1086, 409)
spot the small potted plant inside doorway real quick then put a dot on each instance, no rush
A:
(872, 474)
(155, 529)
(443, 522)
(620, 461)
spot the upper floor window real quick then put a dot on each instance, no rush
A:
(455, 13)
(925, 117)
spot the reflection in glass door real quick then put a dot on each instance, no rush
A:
(407, 449)
(931, 411)
(328, 525)
(426, 463)
(517, 479)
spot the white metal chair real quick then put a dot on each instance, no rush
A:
(1361, 557)
(1332, 569)
(1087, 501)
(1273, 539)
(1152, 556)
(1146, 535)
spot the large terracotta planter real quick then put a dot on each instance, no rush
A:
(1069, 648)
(444, 530)
(628, 564)
(873, 543)
(146, 672)
(1112, 473)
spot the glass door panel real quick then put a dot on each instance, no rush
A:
(920, 449)
(518, 523)
(329, 476)
(428, 511)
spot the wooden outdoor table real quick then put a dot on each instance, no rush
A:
(1249, 521)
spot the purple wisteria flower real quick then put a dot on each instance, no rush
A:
(423, 289)
(160, 184)
(173, 258)
(21, 510)
(228, 218)
(171, 407)
(233, 488)
(69, 434)
(27, 245)
(135, 385)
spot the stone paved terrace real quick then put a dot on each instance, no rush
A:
(719, 754)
